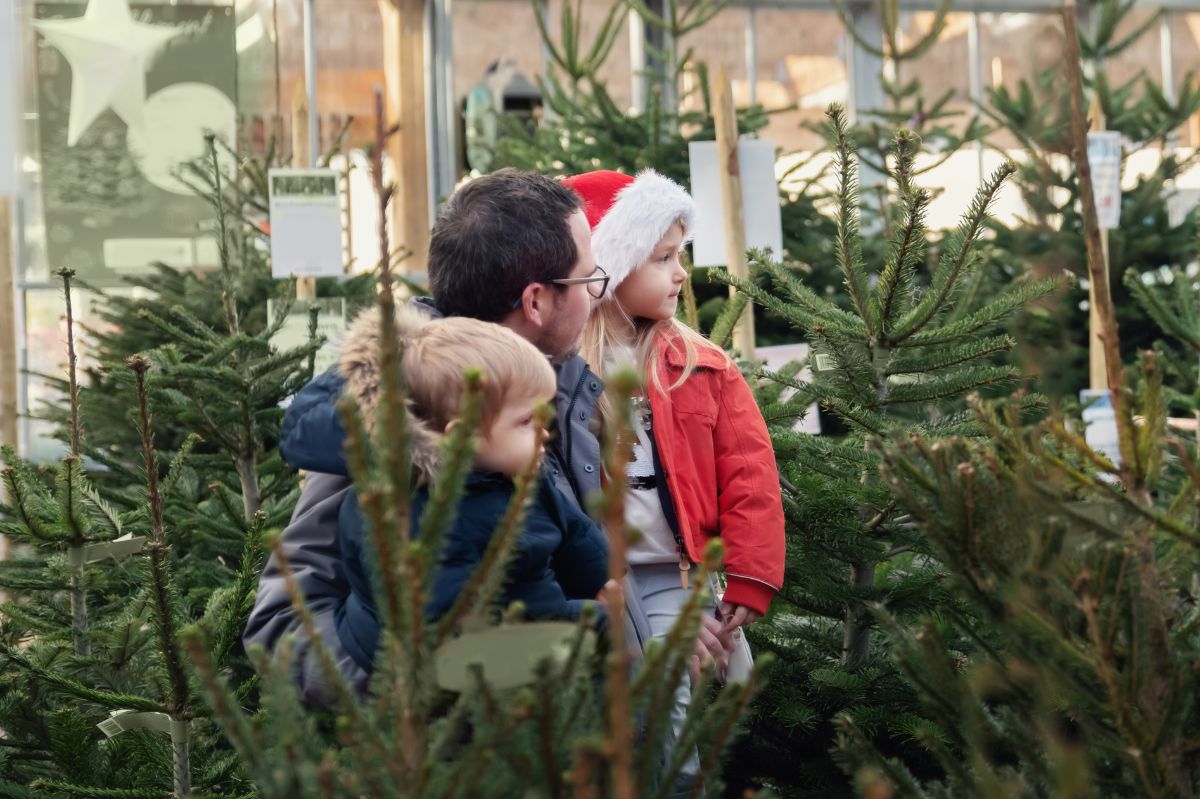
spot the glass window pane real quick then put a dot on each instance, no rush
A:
(801, 62)
(722, 40)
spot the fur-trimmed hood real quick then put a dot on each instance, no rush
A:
(312, 436)
(358, 365)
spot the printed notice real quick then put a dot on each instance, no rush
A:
(306, 223)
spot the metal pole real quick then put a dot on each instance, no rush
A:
(752, 52)
(975, 63)
(543, 8)
(637, 62)
(1166, 52)
(310, 80)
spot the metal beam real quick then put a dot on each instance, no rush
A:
(993, 6)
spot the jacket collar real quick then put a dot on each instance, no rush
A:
(674, 353)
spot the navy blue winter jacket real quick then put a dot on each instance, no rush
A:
(561, 559)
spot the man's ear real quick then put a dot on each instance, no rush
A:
(536, 304)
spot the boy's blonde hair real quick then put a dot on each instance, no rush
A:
(436, 354)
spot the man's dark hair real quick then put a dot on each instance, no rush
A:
(494, 237)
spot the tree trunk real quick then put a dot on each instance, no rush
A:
(248, 475)
(79, 615)
(856, 640)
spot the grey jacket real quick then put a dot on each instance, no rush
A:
(311, 547)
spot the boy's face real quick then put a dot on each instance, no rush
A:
(652, 291)
(512, 440)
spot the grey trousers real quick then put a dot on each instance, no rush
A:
(662, 599)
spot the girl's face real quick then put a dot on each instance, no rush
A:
(652, 291)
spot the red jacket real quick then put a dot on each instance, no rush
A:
(720, 470)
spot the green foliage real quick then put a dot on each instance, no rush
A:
(897, 355)
(85, 633)
(1173, 302)
(1079, 593)
(1049, 238)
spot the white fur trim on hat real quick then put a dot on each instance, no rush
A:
(639, 217)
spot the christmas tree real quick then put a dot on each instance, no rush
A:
(1049, 237)
(1074, 568)
(89, 637)
(92, 624)
(900, 360)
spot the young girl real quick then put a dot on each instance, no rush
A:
(702, 464)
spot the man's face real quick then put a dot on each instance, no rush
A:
(572, 304)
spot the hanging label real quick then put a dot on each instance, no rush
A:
(1104, 157)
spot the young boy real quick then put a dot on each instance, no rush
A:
(562, 556)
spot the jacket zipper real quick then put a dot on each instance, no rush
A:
(568, 440)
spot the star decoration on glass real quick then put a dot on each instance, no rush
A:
(109, 52)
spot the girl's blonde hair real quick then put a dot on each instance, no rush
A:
(610, 326)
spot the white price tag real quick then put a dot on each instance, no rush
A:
(306, 223)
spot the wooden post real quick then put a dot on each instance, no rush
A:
(725, 121)
(405, 101)
(1097, 371)
(9, 385)
(1097, 264)
(302, 156)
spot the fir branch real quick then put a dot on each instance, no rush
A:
(849, 241)
(93, 792)
(157, 549)
(489, 576)
(15, 483)
(722, 330)
(955, 385)
(939, 359)
(1181, 329)
(458, 452)
(990, 314)
(956, 257)
(107, 699)
(229, 631)
(906, 253)
(814, 314)
(225, 705)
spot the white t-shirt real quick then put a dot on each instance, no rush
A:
(643, 507)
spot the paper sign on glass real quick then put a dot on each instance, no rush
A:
(306, 223)
(1104, 157)
(760, 200)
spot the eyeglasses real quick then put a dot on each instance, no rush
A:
(597, 284)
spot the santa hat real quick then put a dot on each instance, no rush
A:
(629, 216)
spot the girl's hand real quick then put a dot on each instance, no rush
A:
(738, 615)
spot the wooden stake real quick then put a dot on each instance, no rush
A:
(1097, 375)
(404, 92)
(1097, 264)
(725, 121)
(9, 385)
(302, 156)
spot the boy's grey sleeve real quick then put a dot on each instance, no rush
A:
(310, 543)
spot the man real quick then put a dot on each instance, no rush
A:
(512, 248)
